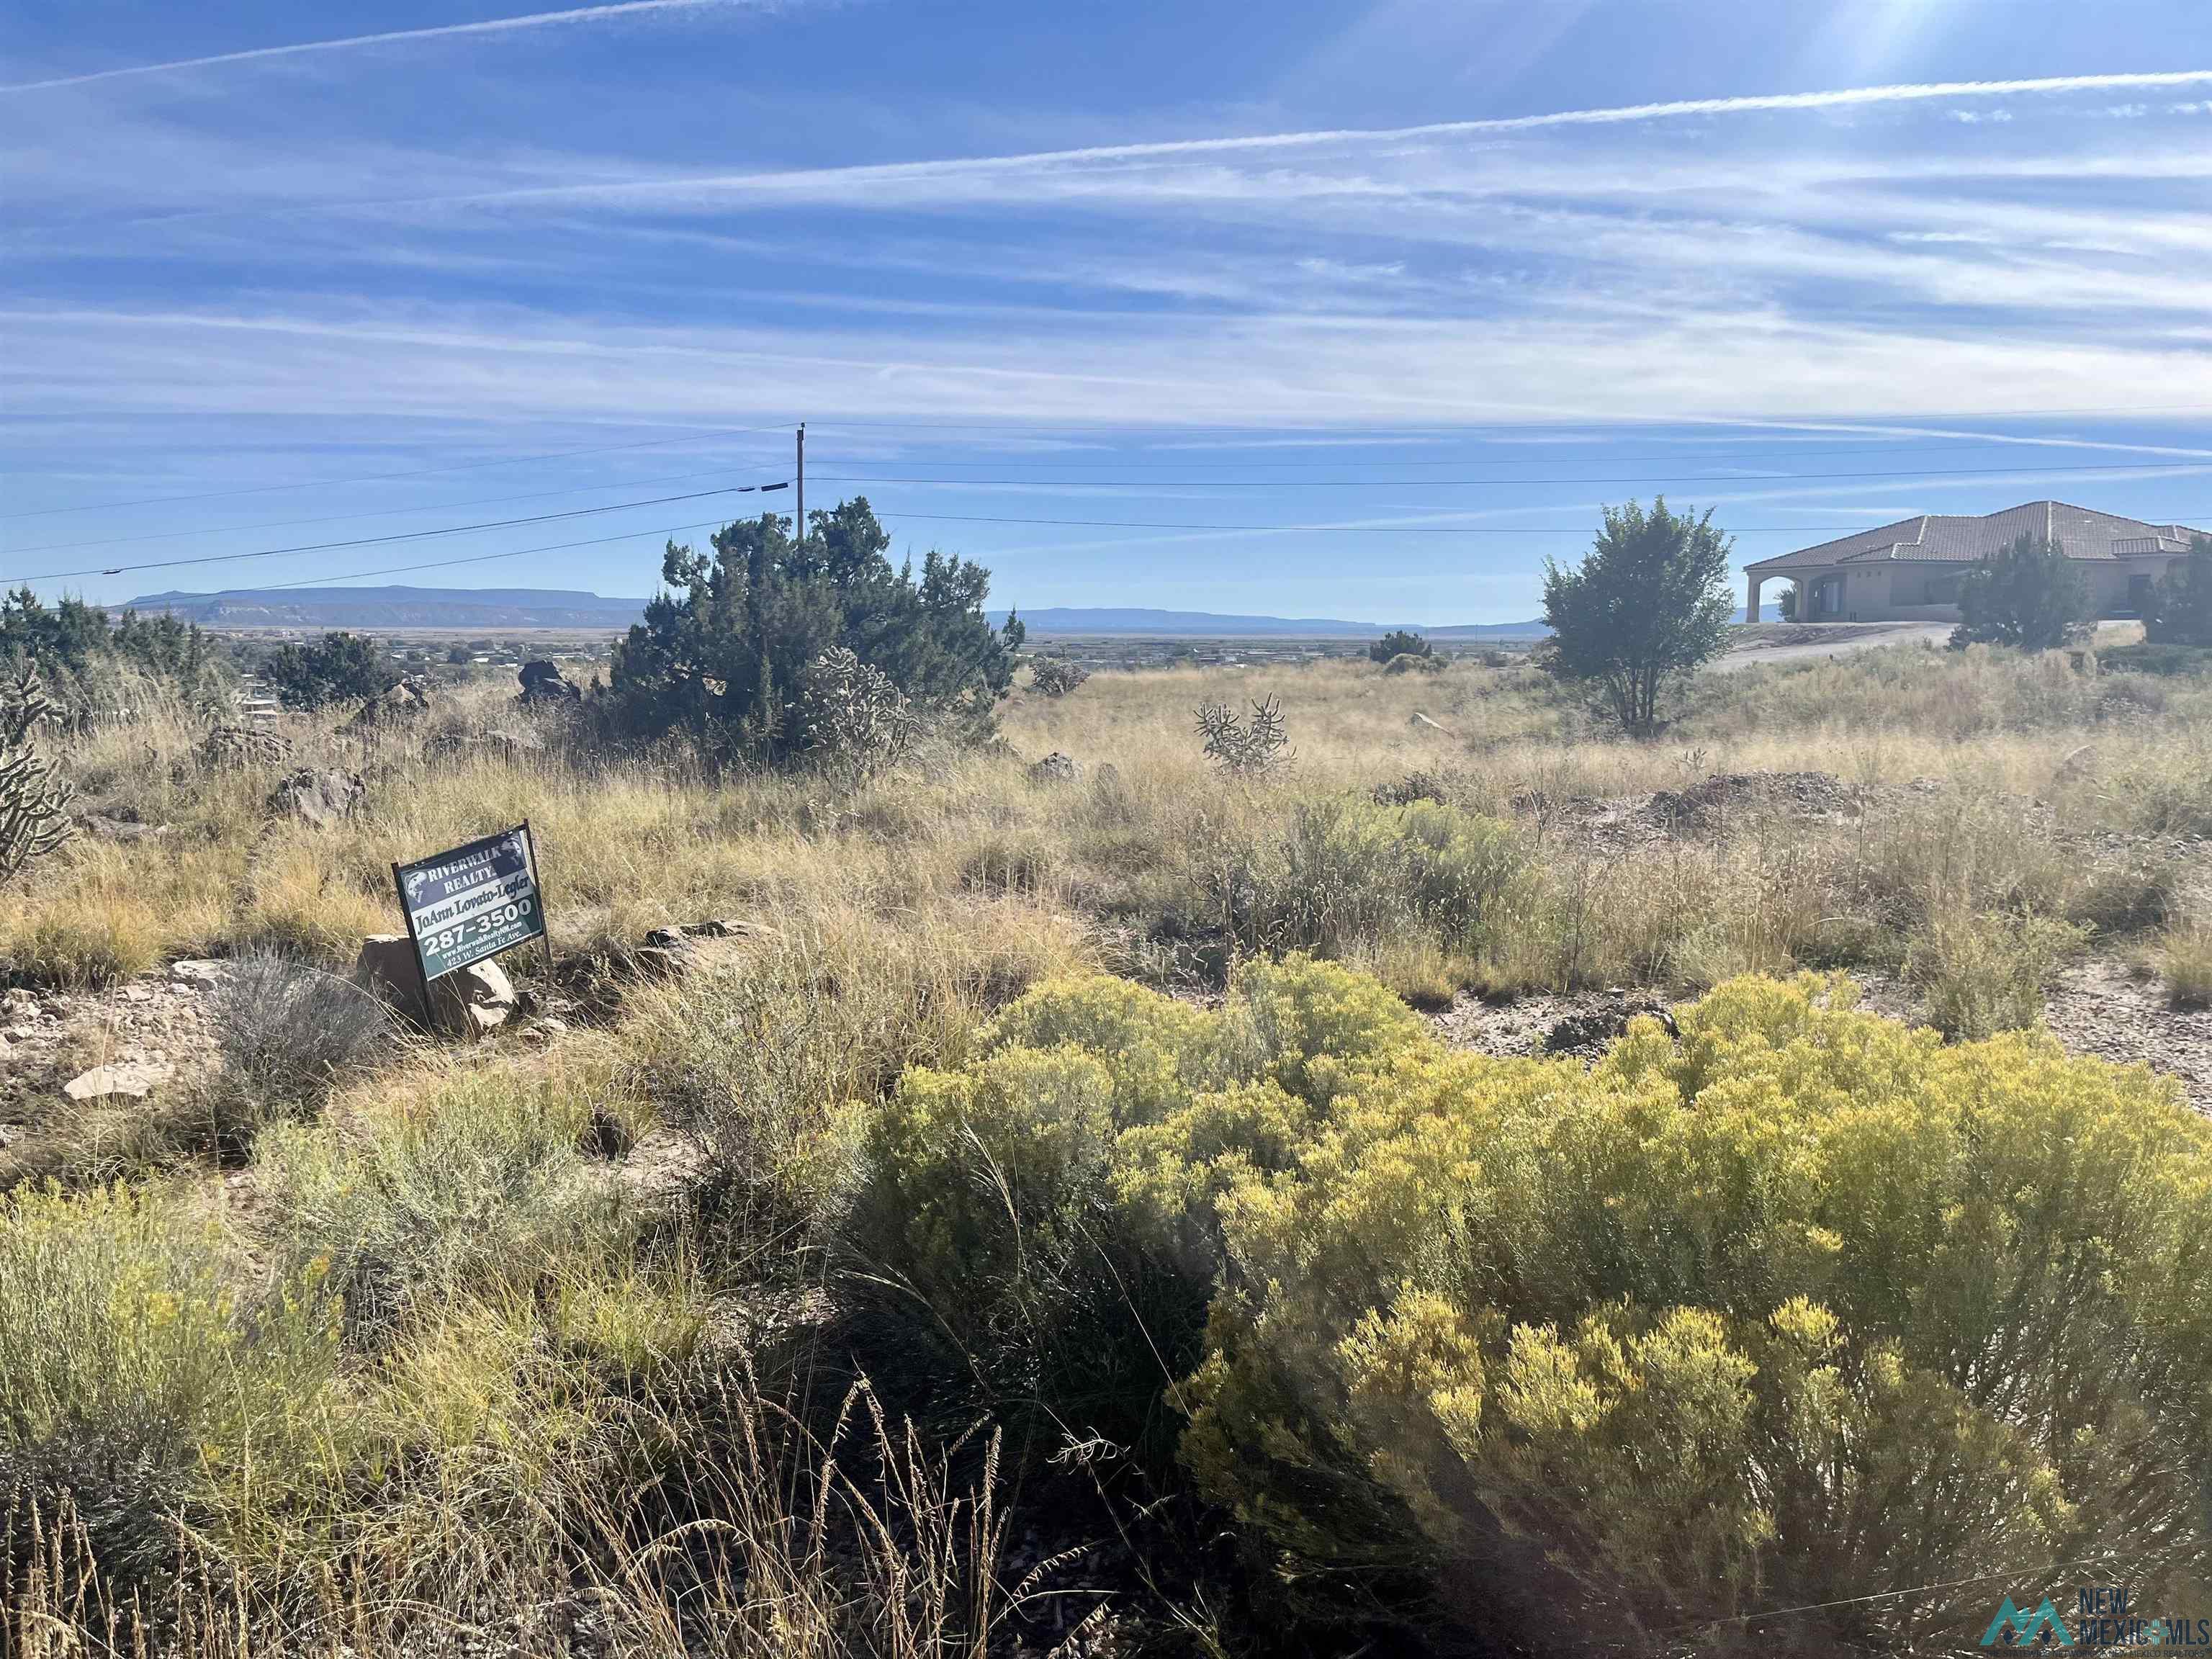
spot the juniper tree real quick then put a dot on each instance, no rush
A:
(1647, 604)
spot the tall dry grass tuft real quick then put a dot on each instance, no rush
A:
(753, 1538)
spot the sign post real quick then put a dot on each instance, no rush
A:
(473, 902)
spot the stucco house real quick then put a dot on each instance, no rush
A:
(1909, 571)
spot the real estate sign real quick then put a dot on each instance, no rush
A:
(472, 901)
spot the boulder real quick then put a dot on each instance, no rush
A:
(397, 705)
(1056, 768)
(241, 746)
(720, 927)
(494, 745)
(469, 1001)
(542, 682)
(125, 1080)
(321, 796)
(117, 829)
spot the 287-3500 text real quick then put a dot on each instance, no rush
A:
(491, 921)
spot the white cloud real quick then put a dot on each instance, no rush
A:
(570, 17)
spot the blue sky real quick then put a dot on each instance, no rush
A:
(1438, 278)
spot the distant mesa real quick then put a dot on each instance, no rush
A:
(474, 608)
(482, 608)
(1207, 624)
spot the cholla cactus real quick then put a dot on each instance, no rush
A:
(34, 802)
(1236, 747)
(1056, 676)
(853, 716)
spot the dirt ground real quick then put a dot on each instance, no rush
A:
(2096, 1007)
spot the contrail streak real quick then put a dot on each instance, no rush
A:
(1841, 98)
(490, 26)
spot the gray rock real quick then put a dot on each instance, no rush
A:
(115, 830)
(720, 927)
(471, 1001)
(128, 1080)
(319, 796)
(401, 705)
(1056, 768)
(494, 745)
(660, 961)
(196, 971)
(542, 682)
(241, 746)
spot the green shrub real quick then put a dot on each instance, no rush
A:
(1416, 890)
(144, 1371)
(1006, 1199)
(1982, 974)
(2162, 658)
(339, 668)
(1399, 642)
(1785, 1312)
(2185, 960)
(479, 1186)
(2180, 609)
(767, 614)
(2029, 594)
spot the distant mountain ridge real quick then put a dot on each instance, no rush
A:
(394, 607)
(476, 608)
(1208, 624)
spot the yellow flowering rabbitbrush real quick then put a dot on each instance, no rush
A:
(1793, 1308)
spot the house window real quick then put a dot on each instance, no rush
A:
(1943, 590)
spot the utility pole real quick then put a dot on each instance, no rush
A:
(802, 484)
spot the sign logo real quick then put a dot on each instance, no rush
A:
(471, 901)
(2013, 1628)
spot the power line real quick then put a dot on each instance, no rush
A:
(1791, 449)
(2205, 466)
(378, 513)
(490, 558)
(399, 536)
(383, 477)
(1379, 529)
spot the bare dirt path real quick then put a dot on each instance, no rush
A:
(1809, 641)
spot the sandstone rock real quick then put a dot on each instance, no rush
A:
(469, 1001)
(319, 796)
(197, 971)
(129, 1079)
(1056, 768)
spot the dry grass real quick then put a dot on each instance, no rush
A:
(429, 1368)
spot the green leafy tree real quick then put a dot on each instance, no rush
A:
(2029, 594)
(1647, 604)
(1398, 642)
(2180, 611)
(726, 652)
(337, 668)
